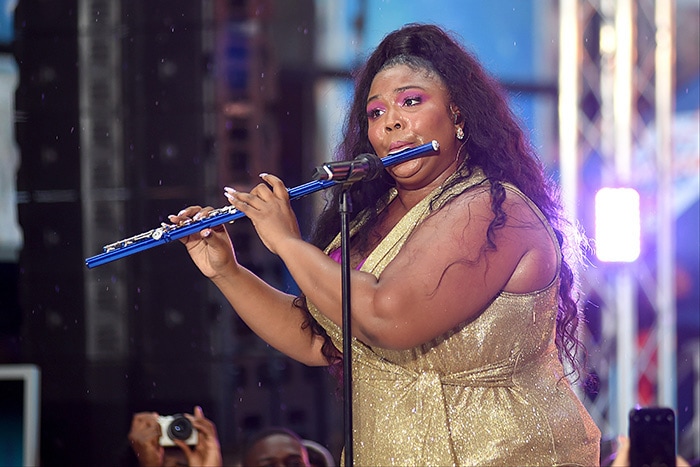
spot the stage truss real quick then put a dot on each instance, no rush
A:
(615, 96)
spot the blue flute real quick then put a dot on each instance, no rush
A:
(169, 232)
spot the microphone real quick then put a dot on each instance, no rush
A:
(363, 167)
(369, 166)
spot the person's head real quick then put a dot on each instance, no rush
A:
(427, 50)
(276, 447)
(475, 100)
(409, 105)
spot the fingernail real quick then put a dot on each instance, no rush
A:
(264, 174)
(228, 189)
(228, 195)
(181, 213)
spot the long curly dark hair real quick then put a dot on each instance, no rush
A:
(495, 142)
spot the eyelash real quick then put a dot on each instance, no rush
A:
(376, 112)
(412, 98)
(373, 114)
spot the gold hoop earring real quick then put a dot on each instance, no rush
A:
(460, 133)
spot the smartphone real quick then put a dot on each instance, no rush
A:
(652, 433)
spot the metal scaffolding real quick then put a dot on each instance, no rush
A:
(616, 89)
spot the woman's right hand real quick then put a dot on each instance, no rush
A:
(211, 248)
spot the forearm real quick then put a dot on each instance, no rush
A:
(272, 315)
(320, 277)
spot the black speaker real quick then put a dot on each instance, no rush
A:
(50, 154)
(48, 67)
(162, 15)
(167, 150)
(46, 17)
(52, 236)
(166, 70)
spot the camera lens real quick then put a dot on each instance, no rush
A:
(180, 428)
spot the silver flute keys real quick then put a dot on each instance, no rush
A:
(169, 232)
(158, 233)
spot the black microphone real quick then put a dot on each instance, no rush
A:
(363, 167)
(369, 166)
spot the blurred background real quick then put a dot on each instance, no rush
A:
(116, 113)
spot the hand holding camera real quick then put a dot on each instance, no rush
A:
(156, 438)
(174, 427)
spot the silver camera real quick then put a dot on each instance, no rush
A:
(174, 427)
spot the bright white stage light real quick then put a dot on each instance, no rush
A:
(617, 225)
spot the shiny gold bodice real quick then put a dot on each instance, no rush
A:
(489, 392)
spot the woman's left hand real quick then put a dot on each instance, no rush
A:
(267, 206)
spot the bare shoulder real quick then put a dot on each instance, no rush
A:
(473, 204)
(525, 225)
(476, 205)
(525, 250)
(448, 264)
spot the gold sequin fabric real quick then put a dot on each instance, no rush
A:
(489, 392)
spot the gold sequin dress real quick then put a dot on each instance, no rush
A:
(489, 392)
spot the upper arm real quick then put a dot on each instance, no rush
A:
(444, 274)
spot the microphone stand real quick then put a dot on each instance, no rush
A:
(367, 169)
(345, 209)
